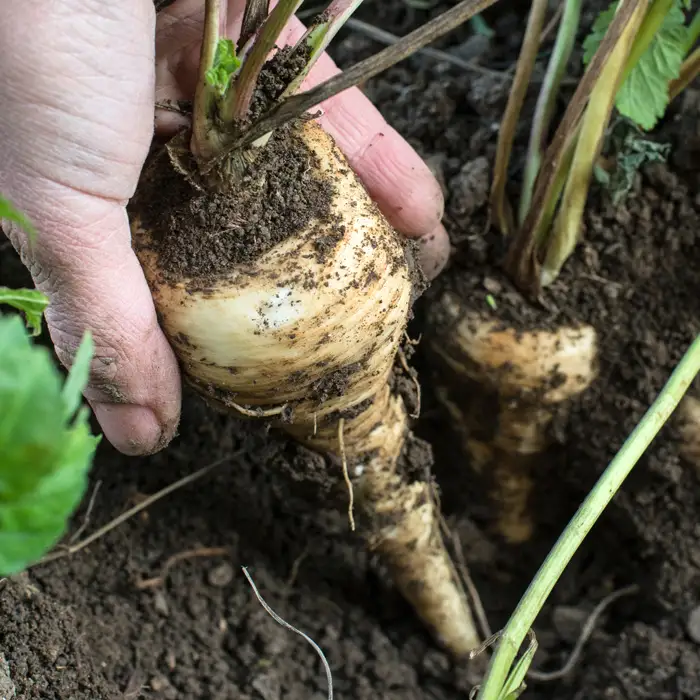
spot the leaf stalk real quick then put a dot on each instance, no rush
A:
(500, 211)
(690, 69)
(544, 111)
(237, 102)
(564, 236)
(204, 132)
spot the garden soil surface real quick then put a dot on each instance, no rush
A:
(100, 624)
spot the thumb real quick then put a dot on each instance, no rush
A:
(83, 261)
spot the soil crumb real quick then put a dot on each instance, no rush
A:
(203, 235)
(278, 73)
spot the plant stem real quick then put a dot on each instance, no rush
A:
(237, 102)
(563, 46)
(294, 106)
(689, 71)
(254, 16)
(693, 31)
(500, 212)
(652, 22)
(320, 35)
(588, 513)
(203, 131)
(564, 236)
(522, 264)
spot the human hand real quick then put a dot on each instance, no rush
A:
(76, 122)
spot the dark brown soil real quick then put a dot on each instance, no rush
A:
(201, 235)
(278, 73)
(82, 628)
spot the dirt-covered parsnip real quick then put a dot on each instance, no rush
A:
(286, 293)
(504, 383)
(503, 388)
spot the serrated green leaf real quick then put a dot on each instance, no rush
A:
(11, 213)
(226, 63)
(643, 97)
(45, 455)
(31, 302)
(78, 376)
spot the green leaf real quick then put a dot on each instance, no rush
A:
(226, 63)
(9, 212)
(78, 376)
(632, 152)
(45, 454)
(643, 97)
(30, 301)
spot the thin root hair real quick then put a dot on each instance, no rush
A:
(279, 620)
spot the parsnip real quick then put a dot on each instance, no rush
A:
(504, 387)
(258, 341)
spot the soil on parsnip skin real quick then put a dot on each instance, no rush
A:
(82, 628)
(202, 235)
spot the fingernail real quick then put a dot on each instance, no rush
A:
(133, 430)
(434, 252)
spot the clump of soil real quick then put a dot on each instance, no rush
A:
(204, 234)
(278, 73)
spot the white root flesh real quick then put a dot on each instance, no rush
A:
(504, 390)
(260, 340)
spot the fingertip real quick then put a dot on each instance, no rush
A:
(134, 430)
(434, 252)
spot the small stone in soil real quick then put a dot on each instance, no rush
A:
(221, 575)
(160, 604)
(694, 625)
(492, 285)
(7, 687)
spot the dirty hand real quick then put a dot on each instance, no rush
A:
(76, 121)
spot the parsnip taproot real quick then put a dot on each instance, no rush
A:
(503, 389)
(260, 338)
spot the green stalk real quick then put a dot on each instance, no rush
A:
(522, 260)
(561, 53)
(564, 236)
(580, 525)
(295, 105)
(320, 34)
(689, 71)
(693, 32)
(652, 22)
(204, 135)
(499, 206)
(237, 101)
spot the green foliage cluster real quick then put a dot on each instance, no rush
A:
(226, 64)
